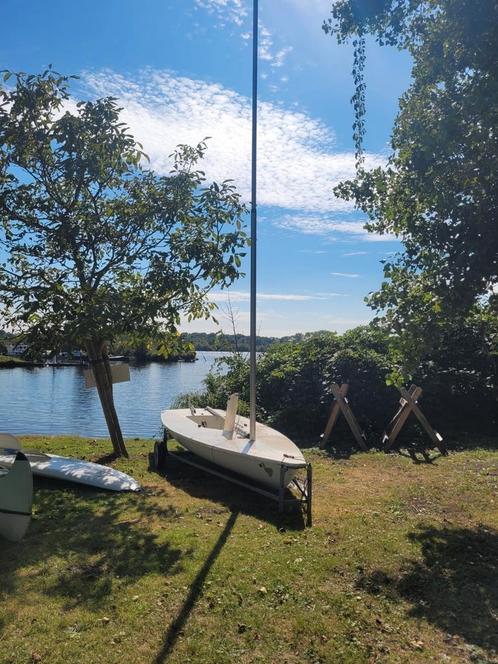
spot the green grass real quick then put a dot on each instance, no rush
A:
(400, 566)
(10, 360)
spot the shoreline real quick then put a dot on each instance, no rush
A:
(7, 362)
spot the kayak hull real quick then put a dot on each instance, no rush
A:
(91, 474)
(16, 494)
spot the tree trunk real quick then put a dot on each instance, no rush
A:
(99, 362)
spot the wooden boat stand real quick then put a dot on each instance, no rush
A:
(341, 404)
(408, 404)
(304, 487)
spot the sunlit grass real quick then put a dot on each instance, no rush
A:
(10, 360)
(400, 566)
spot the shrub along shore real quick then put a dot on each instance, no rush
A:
(459, 379)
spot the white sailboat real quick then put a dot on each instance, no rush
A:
(237, 443)
(224, 439)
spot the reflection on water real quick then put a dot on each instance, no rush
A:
(55, 401)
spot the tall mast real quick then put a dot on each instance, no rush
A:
(252, 330)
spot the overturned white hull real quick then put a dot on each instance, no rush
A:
(81, 472)
(16, 494)
(260, 460)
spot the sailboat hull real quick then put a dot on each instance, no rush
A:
(260, 460)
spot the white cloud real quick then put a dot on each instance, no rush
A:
(297, 163)
(265, 44)
(280, 56)
(343, 324)
(242, 296)
(348, 275)
(356, 253)
(238, 13)
(267, 52)
(234, 11)
(325, 226)
(272, 323)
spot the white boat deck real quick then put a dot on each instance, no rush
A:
(207, 429)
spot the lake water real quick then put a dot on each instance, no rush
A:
(55, 401)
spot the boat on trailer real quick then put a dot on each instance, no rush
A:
(241, 444)
(221, 437)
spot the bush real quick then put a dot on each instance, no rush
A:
(231, 374)
(459, 381)
(292, 384)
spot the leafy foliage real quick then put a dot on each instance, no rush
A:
(224, 342)
(459, 379)
(97, 246)
(169, 348)
(439, 191)
(230, 375)
(291, 379)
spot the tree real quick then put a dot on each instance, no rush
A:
(97, 245)
(438, 191)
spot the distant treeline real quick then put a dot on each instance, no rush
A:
(185, 346)
(230, 342)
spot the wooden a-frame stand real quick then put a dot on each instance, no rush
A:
(341, 404)
(408, 404)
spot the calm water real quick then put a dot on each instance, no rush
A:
(55, 401)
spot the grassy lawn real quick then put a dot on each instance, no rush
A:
(11, 361)
(400, 566)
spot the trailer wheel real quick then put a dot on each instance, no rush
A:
(159, 455)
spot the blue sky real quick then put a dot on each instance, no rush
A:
(182, 70)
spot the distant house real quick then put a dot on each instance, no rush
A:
(16, 348)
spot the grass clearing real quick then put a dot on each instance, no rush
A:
(12, 361)
(400, 566)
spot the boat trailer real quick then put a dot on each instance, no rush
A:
(303, 487)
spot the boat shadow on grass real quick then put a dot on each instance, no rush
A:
(83, 543)
(201, 484)
(454, 586)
